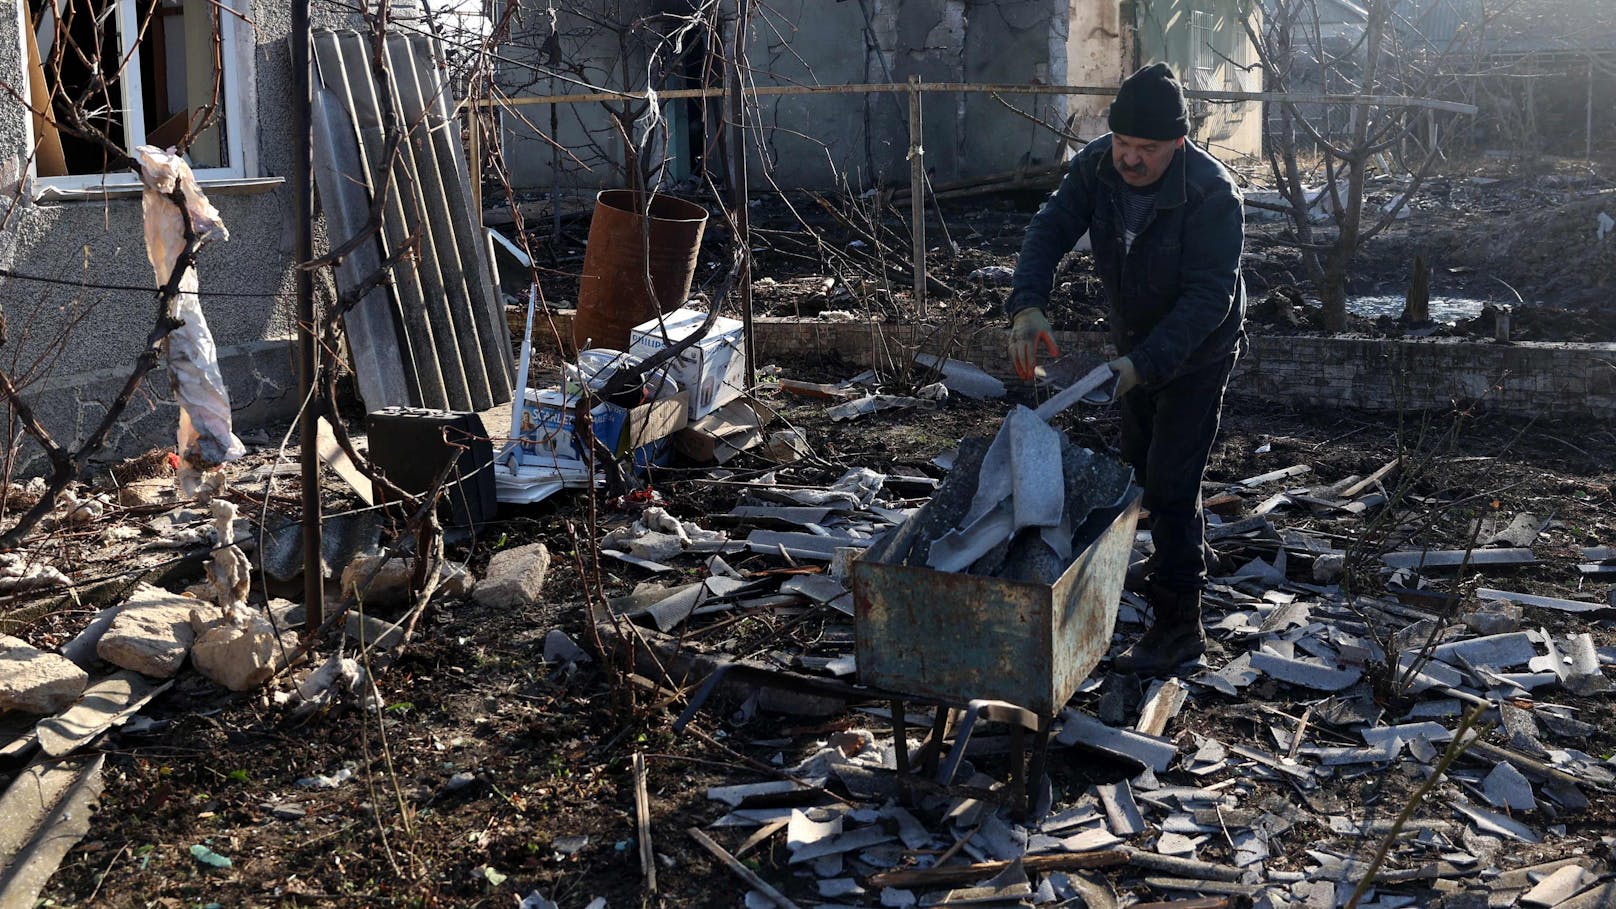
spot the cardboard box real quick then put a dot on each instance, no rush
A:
(724, 433)
(547, 427)
(713, 369)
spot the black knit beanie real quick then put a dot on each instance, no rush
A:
(1150, 105)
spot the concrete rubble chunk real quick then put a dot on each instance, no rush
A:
(1453, 558)
(964, 378)
(1491, 822)
(811, 826)
(1585, 677)
(378, 581)
(151, 634)
(35, 681)
(1275, 475)
(1430, 731)
(1541, 602)
(1600, 897)
(239, 651)
(515, 577)
(911, 831)
(1494, 617)
(1305, 673)
(733, 796)
(1507, 787)
(851, 841)
(1496, 651)
(1557, 887)
(820, 588)
(1121, 811)
(1146, 750)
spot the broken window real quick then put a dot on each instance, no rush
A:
(136, 72)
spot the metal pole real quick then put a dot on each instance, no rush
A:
(307, 348)
(474, 162)
(738, 189)
(1589, 150)
(917, 191)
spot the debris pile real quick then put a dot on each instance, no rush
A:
(1319, 715)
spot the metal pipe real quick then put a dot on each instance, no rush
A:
(738, 178)
(307, 347)
(1103, 91)
(917, 192)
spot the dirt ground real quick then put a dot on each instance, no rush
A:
(491, 774)
(549, 802)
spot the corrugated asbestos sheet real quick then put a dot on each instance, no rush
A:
(434, 336)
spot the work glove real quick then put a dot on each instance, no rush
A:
(1027, 329)
(1127, 374)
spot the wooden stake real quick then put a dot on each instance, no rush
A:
(642, 824)
(739, 870)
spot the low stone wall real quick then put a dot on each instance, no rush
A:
(1525, 379)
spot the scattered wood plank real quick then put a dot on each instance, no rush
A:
(1191, 886)
(760, 836)
(739, 870)
(1206, 902)
(964, 874)
(642, 824)
(816, 390)
(1353, 491)
(1164, 702)
(1182, 866)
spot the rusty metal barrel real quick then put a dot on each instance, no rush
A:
(612, 296)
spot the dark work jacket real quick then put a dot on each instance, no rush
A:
(1177, 298)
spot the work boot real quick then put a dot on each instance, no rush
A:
(1138, 578)
(1173, 639)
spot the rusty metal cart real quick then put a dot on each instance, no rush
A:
(1011, 650)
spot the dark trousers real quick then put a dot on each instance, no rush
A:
(1167, 435)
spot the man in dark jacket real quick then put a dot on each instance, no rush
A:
(1166, 225)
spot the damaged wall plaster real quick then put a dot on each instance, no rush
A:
(828, 141)
(100, 241)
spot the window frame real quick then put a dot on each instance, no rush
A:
(1203, 57)
(237, 90)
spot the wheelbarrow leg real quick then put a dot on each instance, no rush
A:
(934, 745)
(962, 738)
(1018, 768)
(900, 749)
(900, 737)
(1040, 759)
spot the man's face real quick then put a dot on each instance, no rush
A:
(1142, 162)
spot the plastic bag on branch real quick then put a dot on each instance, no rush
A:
(205, 439)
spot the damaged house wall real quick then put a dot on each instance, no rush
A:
(590, 44)
(1544, 77)
(1207, 44)
(823, 141)
(73, 346)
